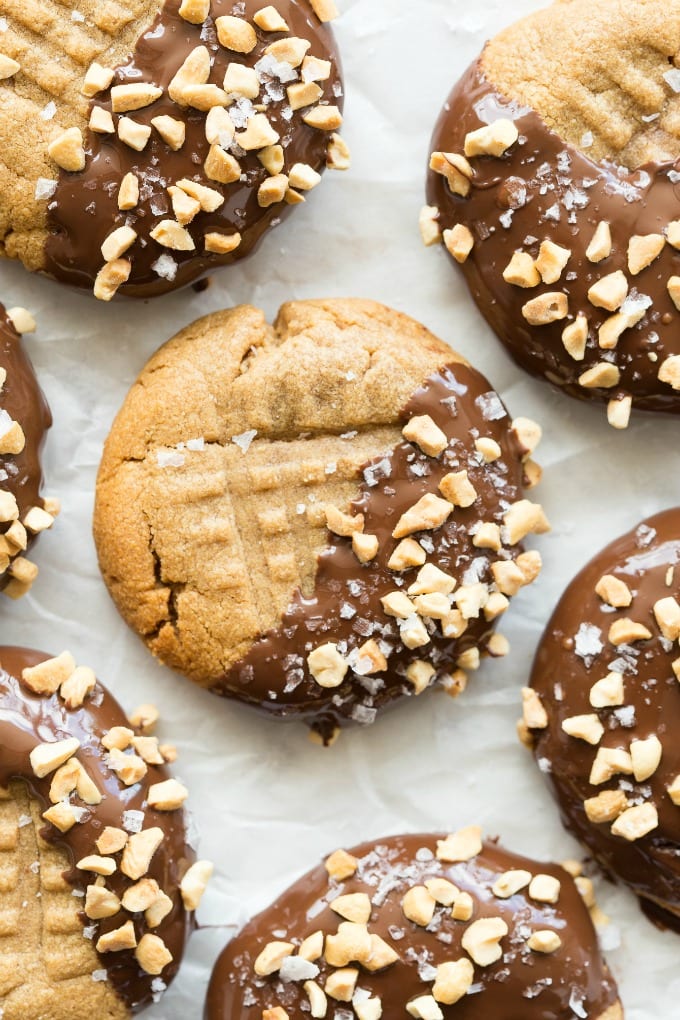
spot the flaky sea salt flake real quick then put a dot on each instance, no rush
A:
(244, 439)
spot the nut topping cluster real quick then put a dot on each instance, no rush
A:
(584, 286)
(446, 912)
(434, 604)
(269, 71)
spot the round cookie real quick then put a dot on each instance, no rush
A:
(318, 517)
(98, 880)
(603, 709)
(553, 183)
(426, 926)
(24, 419)
(144, 144)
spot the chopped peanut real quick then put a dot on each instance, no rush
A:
(609, 292)
(327, 666)
(67, 150)
(353, 907)
(459, 242)
(428, 513)
(419, 905)
(607, 692)
(552, 261)
(428, 222)
(584, 727)
(521, 271)
(575, 336)
(460, 846)
(544, 889)
(625, 631)
(492, 139)
(457, 488)
(606, 807)
(636, 822)
(455, 169)
(601, 245)
(643, 250)
(195, 882)
(646, 756)
(547, 308)
(481, 940)
(341, 865)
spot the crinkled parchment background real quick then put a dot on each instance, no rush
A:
(267, 802)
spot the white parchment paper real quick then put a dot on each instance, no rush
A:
(266, 801)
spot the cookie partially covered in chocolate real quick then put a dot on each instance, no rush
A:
(144, 144)
(99, 883)
(603, 708)
(554, 184)
(431, 927)
(24, 420)
(319, 517)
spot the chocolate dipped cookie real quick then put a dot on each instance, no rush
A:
(319, 517)
(421, 926)
(99, 883)
(144, 144)
(24, 420)
(601, 713)
(553, 183)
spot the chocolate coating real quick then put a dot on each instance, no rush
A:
(573, 654)
(544, 189)
(84, 210)
(22, 399)
(345, 605)
(531, 985)
(27, 720)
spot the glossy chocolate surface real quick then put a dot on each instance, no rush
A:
(543, 189)
(22, 399)
(522, 984)
(345, 606)
(84, 210)
(27, 720)
(574, 653)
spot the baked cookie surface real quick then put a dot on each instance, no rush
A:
(553, 183)
(420, 926)
(602, 712)
(317, 517)
(144, 144)
(24, 420)
(98, 880)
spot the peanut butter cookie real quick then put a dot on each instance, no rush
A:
(98, 883)
(603, 709)
(316, 518)
(144, 143)
(24, 419)
(553, 183)
(436, 928)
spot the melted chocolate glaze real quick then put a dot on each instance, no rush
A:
(345, 604)
(84, 210)
(523, 984)
(27, 720)
(569, 661)
(23, 400)
(544, 189)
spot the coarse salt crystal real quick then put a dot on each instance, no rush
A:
(49, 111)
(294, 968)
(491, 406)
(3, 25)
(672, 78)
(196, 445)
(99, 975)
(165, 267)
(169, 458)
(587, 642)
(24, 820)
(587, 140)
(244, 439)
(45, 187)
(77, 16)
(133, 820)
